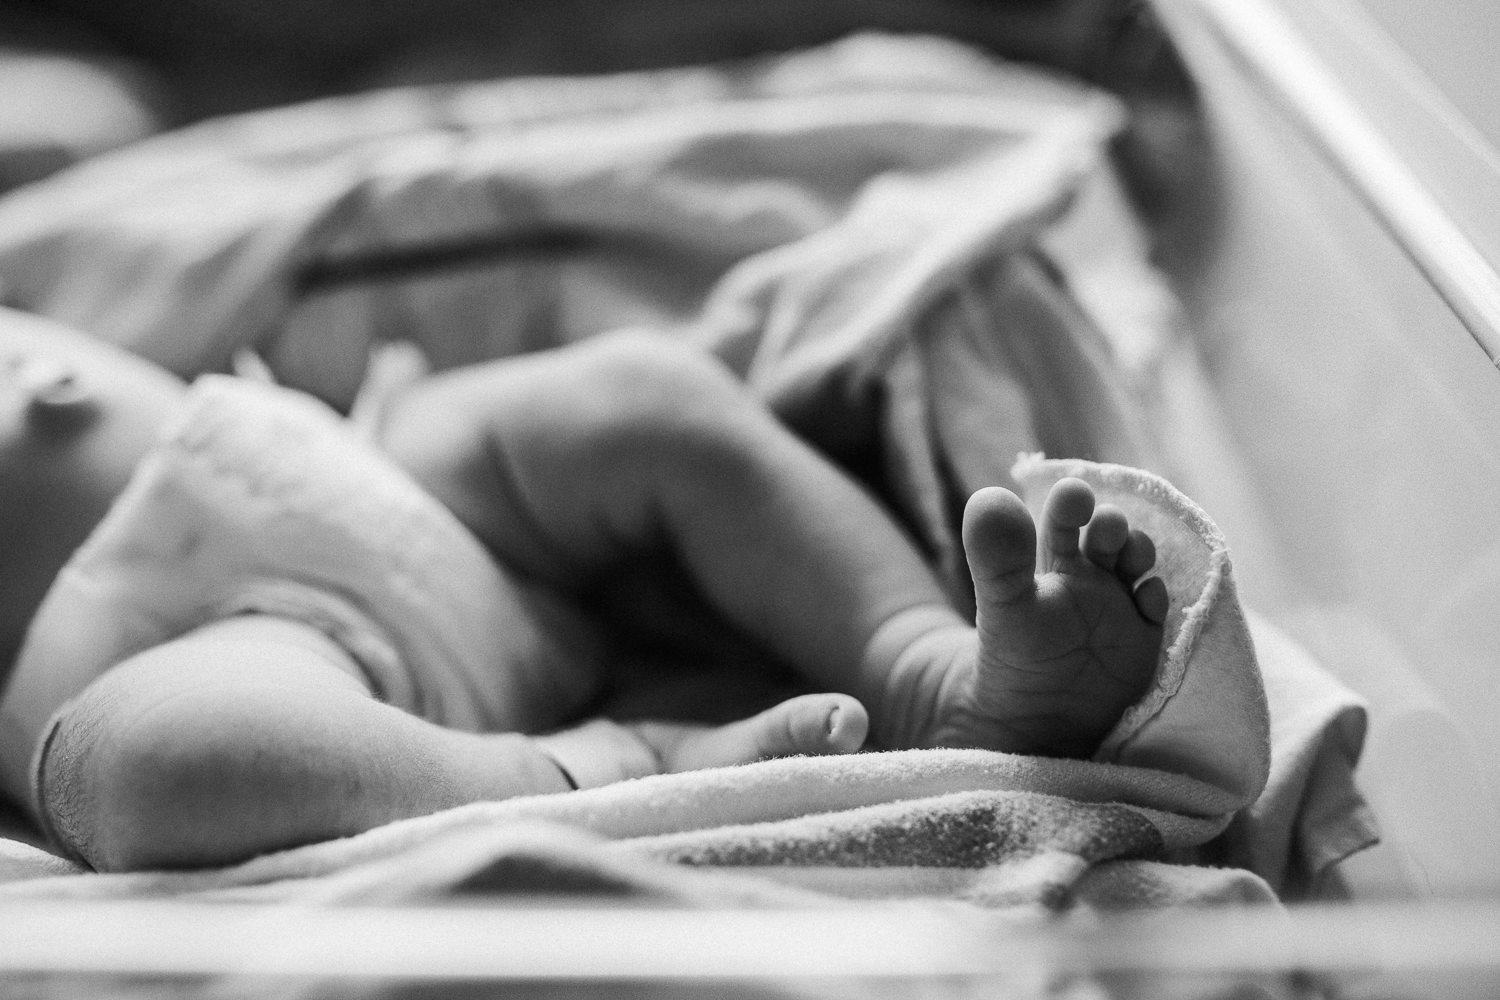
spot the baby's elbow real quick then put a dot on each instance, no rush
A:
(147, 796)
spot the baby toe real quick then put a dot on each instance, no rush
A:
(1152, 600)
(999, 541)
(1137, 556)
(1069, 506)
(1105, 536)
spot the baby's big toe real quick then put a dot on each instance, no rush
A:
(999, 539)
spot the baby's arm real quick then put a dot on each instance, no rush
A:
(256, 734)
(251, 735)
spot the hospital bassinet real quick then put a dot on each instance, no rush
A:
(1326, 219)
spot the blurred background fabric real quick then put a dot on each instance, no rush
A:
(82, 76)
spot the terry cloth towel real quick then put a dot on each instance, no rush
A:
(934, 825)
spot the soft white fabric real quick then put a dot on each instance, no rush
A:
(991, 829)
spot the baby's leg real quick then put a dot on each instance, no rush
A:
(258, 733)
(575, 465)
(575, 462)
(1061, 649)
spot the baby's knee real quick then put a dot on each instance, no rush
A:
(657, 361)
(660, 385)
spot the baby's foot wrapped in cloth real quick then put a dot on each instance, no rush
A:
(1204, 714)
(1068, 625)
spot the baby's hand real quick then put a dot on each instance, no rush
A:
(810, 725)
(601, 752)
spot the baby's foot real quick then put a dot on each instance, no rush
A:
(1064, 647)
(811, 724)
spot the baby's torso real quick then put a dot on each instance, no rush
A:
(258, 500)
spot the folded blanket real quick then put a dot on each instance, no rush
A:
(704, 838)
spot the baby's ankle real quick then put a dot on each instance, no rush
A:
(913, 662)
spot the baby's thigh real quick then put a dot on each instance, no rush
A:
(559, 459)
(629, 394)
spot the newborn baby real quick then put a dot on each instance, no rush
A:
(230, 625)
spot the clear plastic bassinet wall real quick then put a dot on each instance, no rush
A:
(1335, 251)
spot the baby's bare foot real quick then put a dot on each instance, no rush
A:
(1064, 647)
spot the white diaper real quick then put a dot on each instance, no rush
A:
(260, 499)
